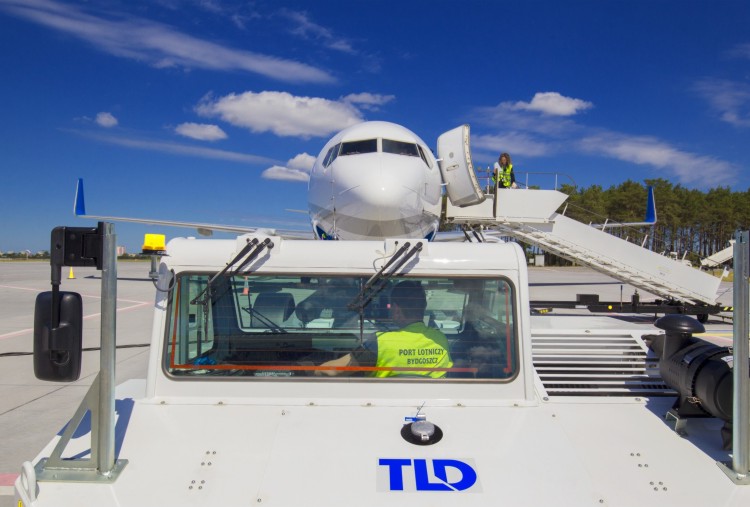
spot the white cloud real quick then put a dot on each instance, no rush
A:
(740, 51)
(309, 30)
(178, 149)
(106, 120)
(552, 103)
(506, 114)
(281, 113)
(683, 166)
(729, 99)
(689, 168)
(297, 169)
(368, 101)
(302, 162)
(158, 44)
(284, 173)
(201, 131)
(515, 143)
(521, 131)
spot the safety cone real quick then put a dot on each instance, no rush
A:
(71, 276)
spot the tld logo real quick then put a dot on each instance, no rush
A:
(403, 474)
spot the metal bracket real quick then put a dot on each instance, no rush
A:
(739, 479)
(679, 424)
(101, 466)
(57, 468)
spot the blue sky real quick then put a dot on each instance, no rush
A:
(213, 111)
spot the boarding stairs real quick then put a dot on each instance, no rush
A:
(531, 216)
(599, 261)
(719, 257)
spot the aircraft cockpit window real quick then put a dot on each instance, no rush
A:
(331, 155)
(283, 326)
(400, 148)
(424, 157)
(358, 147)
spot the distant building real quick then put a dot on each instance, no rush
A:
(121, 251)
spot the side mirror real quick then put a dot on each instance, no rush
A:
(58, 348)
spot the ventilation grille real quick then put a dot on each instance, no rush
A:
(596, 364)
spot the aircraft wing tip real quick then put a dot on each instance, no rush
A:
(650, 207)
(79, 206)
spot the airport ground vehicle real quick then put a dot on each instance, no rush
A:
(237, 409)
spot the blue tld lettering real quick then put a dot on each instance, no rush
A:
(468, 474)
(422, 477)
(395, 471)
(423, 480)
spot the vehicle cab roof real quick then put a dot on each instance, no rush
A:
(344, 256)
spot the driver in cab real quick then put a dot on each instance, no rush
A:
(393, 353)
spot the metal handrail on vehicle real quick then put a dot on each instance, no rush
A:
(484, 177)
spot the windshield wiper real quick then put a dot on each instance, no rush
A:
(206, 293)
(204, 298)
(379, 280)
(265, 320)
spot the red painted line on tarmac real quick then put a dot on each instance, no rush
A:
(87, 317)
(97, 296)
(8, 479)
(19, 288)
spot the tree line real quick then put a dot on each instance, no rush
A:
(691, 223)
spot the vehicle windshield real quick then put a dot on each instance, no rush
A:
(289, 326)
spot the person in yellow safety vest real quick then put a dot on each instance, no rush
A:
(503, 176)
(415, 345)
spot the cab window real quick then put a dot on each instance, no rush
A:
(285, 326)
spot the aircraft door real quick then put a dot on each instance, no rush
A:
(457, 169)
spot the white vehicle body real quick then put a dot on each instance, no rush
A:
(282, 439)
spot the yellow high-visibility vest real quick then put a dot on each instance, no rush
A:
(415, 345)
(503, 174)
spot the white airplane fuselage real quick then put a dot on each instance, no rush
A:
(374, 180)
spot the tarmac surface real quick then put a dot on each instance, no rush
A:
(33, 411)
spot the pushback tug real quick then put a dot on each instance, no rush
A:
(236, 408)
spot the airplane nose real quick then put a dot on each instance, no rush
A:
(390, 190)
